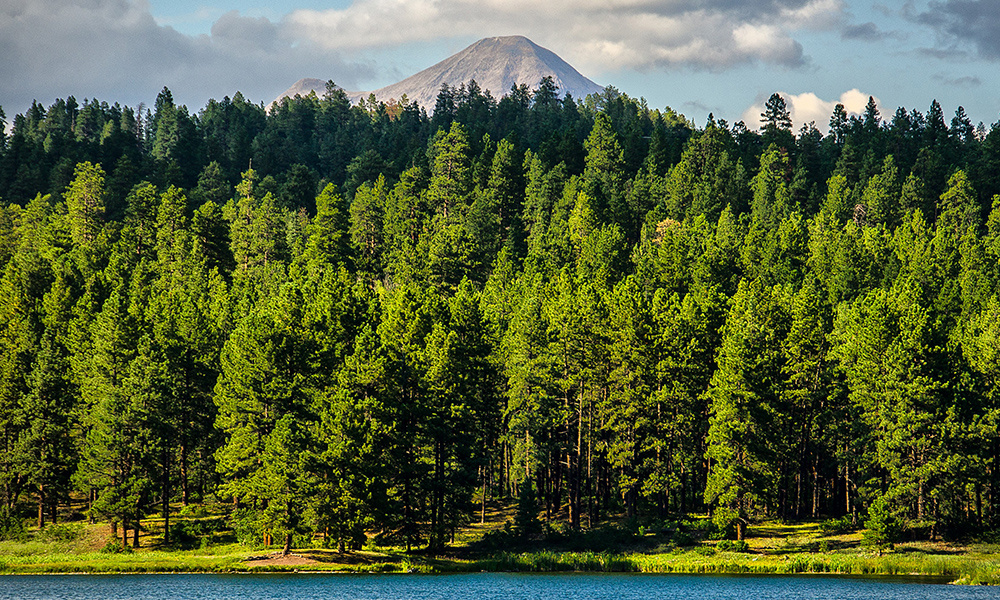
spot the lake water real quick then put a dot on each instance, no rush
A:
(477, 586)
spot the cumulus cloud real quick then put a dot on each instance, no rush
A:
(114, 50)
(601, 34)
(810, 108)
(973, 22)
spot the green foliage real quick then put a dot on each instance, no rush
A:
(746, 408)
(85, 202)
(115, 546)
(882, 527)
(11, 525)
(836, 526)
(249, 527)
(526, 521)
(593, 303)
(732, 546)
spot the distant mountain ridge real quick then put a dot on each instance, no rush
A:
(496, 64)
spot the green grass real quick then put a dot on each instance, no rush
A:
(962, 569)
(138, 562)
(774, 548)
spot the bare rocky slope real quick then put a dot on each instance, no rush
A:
(495, 64)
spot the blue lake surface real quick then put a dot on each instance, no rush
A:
(478, 586)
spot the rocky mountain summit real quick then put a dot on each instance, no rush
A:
(495, 63)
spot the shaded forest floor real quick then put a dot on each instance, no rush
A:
(208, 545)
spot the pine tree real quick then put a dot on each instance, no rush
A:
(263, 403)
(604, 172)
(85, 202)
(747, 409)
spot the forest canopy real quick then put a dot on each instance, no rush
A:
(366, 320)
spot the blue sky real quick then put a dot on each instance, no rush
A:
(696, 56)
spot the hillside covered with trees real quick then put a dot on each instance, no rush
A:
(364, 320)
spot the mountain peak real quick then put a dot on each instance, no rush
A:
(495, 63)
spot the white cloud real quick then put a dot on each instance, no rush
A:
(597, 34)
(821, 14)
(808, 107)
(116, 51)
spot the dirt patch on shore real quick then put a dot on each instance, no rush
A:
(280, 560)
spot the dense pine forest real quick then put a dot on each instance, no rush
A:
(370, 321)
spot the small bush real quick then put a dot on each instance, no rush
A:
(824, 546)
(732, 546)
(498, 539)
(526, 521)
(59, 532)
(712, 531)
(705, 550)
(836, 526)
(882, 527)
(193, 510)
(683, 539)
(249, 527)
(11, 526)
(185, 533)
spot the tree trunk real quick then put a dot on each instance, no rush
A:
(41, 505)
(815, 487)
(288, 545)
(979, 504)
(166, 499)
(185, 494)
(482, 514)
(847, 491)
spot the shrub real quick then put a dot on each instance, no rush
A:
(498, 539)
(526, 521)
(193, 510)
(185, 533)
(732, 546)
(60, 532)
(882, 527)
(836, 526)
(248, 526)
(11, 526)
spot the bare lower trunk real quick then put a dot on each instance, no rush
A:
(847, 491)
(288, 545)
(166, 502)
(184, 476)
(482, 514)
(41, 506)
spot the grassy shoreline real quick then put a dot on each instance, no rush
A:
(773, 548)
(966, 569)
